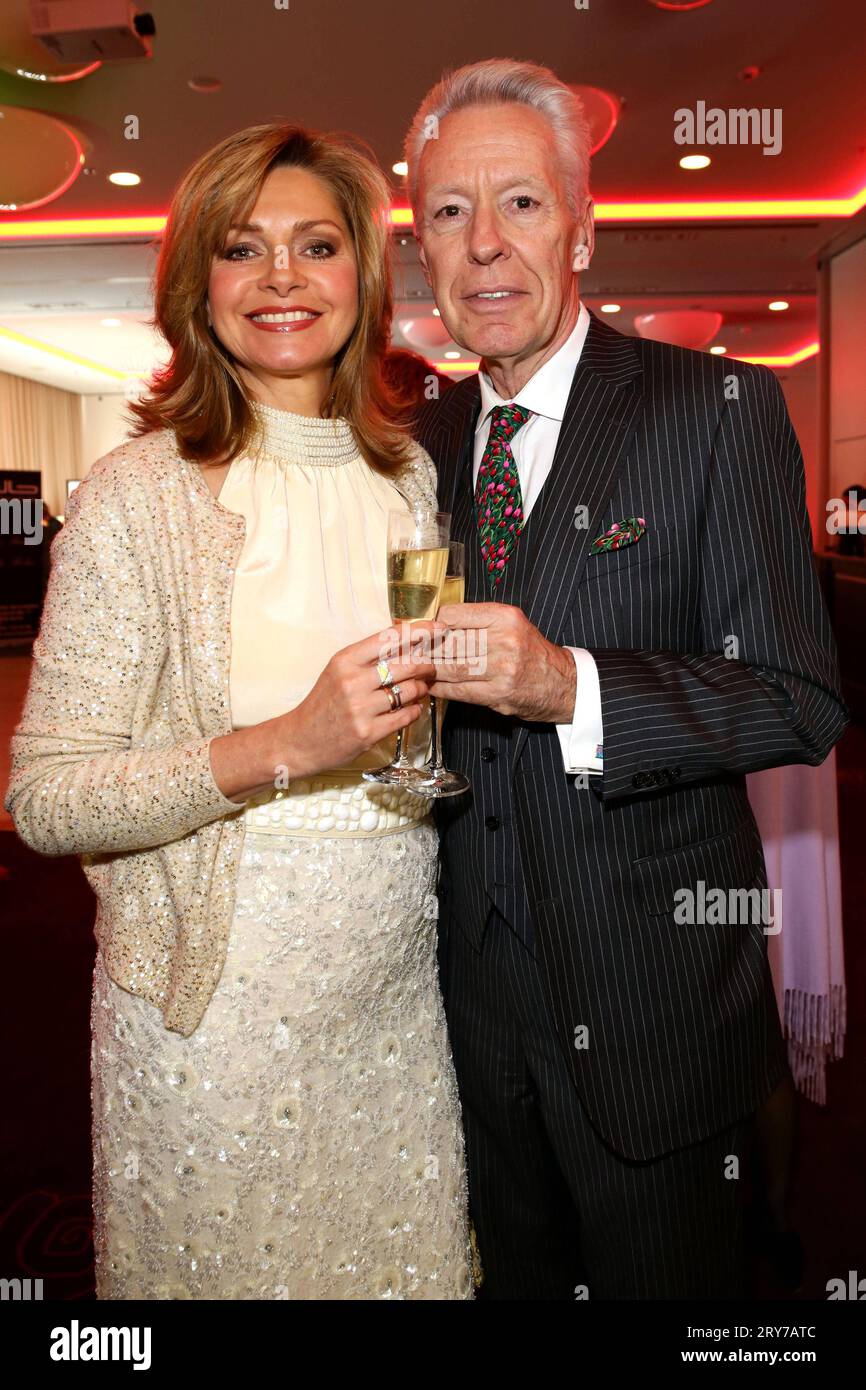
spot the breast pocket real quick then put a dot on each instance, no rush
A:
(629, 597)
(607, 564)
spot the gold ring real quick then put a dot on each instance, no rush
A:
(394, 696)
(383, 671)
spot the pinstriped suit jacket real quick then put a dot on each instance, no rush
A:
(715, 658)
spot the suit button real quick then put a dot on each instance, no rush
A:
(676, 772)
(642, 779)
(488, 754)
(492, 822)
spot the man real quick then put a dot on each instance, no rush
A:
(639, 562)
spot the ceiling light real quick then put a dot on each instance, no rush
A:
(610, 308)
(452, 354)
(124, 180)
(401, 167)
(48, 349)
(436, 314)
(601, 111)
(689, 328)
(694, 161)
(71, 76)
(778, 305)
(718, 350)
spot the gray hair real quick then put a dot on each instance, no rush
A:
(495, 82)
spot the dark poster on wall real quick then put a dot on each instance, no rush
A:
(21, 558)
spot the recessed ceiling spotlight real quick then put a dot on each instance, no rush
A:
(436, 314)
(401, 167)
(694, 161)
(610, 308)
(124, 180)
(719, 350)
(778, 305)
(452, 354)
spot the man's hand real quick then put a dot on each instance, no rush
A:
(502, 661)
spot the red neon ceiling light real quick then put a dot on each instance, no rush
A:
(26, 229)
(708, 209)
(784, 359)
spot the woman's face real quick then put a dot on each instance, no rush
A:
(283, 292)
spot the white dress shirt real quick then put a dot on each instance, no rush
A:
(533, 446)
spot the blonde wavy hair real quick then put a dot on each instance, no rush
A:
(200, 394)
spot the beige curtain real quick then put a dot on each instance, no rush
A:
(40, 427)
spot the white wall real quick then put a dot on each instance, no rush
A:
(103, 427)
(848, 368)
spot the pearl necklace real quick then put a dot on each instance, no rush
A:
(289, 438)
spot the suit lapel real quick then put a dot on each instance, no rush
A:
(459, 412)
(597, 430)
(598, 427)
(455, 476)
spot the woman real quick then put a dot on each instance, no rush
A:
(275, 1113)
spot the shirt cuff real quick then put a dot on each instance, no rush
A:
(582, 741)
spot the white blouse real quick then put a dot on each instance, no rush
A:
(311, 578)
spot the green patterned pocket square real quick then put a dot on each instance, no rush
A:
(625, 532)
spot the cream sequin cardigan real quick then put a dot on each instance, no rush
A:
(129, 684)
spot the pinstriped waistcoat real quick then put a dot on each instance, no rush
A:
(484, 865)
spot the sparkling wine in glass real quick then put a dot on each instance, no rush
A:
(417, 558)
(438, 779)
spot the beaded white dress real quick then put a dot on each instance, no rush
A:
(305, 1141)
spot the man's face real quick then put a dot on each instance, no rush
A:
(498, 238)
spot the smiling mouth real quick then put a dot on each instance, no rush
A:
(494, 296)
(290, 316)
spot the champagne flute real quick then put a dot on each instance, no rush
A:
(417, 558)
(440, 780)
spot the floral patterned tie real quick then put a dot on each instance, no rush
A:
(498, 499)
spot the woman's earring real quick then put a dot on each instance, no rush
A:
(581, 257)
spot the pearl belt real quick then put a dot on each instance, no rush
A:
(340, 804)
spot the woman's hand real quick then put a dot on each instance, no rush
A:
(348, 710)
